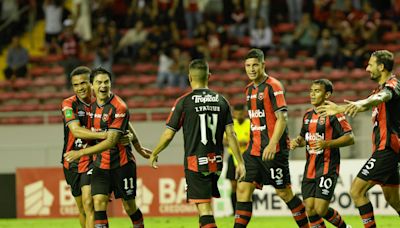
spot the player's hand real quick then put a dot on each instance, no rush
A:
(240, 172)
(352, 108)
(320, 144)
(294, 144)
(126, 139)
(146, 153)
(269, 152)
(328, 109)
(153, 161)
(72, 155)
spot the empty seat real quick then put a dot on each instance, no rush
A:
(138, 117)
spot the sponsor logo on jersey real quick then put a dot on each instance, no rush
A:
(260, 96)
(119, 115)
(257, 128)
(253, 96)
(105, 117)
(256, 113)
(205, 99)
(278, 93)
(341, 118)
(68, 113)
(211, 159)
(321, 120)
(314, 136)
(81, 113)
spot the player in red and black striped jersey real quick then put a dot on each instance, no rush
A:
(76, 110)
(266, 157)
(322, 136)
(114, 166)
(204, 115)
(382, 167)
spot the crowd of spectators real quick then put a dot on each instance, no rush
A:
(171, 32)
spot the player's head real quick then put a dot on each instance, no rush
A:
(321, 90)
(254, 64)
(80, 81)
(381, 61)
(239, 112)
(101, 82)
(199, 71)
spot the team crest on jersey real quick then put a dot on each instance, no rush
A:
(260, 96)
(321, 120)
(105, 117)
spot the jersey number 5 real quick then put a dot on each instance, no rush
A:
(210, 122)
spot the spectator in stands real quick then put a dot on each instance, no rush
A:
(295, 10)
(165, 76)
(140, 10)
(165, 10)
(238, 19)
(54, 14)
(9, 14)
(305, 36)
(102, 43)
(17, 60)
(327, 49)
(256, 9)
(352, 49)
(193, 15)
(70, 46)
(132, 41)
(261, 36)
(180, 67)
(82, 18)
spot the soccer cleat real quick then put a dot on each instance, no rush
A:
(348, 226)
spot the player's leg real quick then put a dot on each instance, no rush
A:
(200, 189)
(358, 191)
(73, 180)
(322, 208)
(82, 216)
(87, 200)
(392, 196)
(230, 175)
(125, 187)
(295, 205)
(100, 189)
(308, 188)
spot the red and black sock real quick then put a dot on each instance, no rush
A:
(207, 221)
(100, 219)
(137, 219)
(243, 214)
(334, 218)
(367, 215)
(298, 211)
(316, 221)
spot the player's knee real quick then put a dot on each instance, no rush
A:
(321, 211)
(355, 192)
(100, 204)
(130, 206)
(88, 204)
(285, 194)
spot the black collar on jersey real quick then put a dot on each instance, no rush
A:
(205, 88)
(266, 78)
(108, 101)
(82, 101)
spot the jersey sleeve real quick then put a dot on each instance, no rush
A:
(393, 86)
(68, 111)
(229, 119)
(277, 96)
(120, 119)
(340, 124)
(176, 116)
(303, 129)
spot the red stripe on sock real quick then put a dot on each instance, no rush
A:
(244, 213)
(211, 225)
(241, 221)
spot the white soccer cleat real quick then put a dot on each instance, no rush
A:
(348, 226)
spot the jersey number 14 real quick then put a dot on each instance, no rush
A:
(209, 121)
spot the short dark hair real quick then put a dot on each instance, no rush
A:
(97, 71)
(384, 57)
(238, 107)
(80, 70)
(326, 83)
(255, 53)
(199, 65)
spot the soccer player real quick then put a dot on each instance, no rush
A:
(205, 115)
(322, 136)
(382, 167)
(75, 111)
(266, 157)
(114, 167)
(241, 125)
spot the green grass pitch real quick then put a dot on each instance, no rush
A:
(188, 222)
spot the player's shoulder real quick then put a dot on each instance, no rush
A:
(272, 81)
(69, 100)
(308, 112)
(392, 82)
(118, 102)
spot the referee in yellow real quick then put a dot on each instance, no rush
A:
(242, 128)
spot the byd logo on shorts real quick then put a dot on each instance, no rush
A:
(210, 159)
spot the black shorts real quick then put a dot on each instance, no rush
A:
(231, 171)
(77, 180)
(275, 172)
(201, 188)
(121, 181)
(321, 187)
(381, 168)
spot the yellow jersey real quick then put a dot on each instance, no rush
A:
(243, 135)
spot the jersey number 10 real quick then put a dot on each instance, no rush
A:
(208, 121)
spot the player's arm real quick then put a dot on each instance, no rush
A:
(299, 141)
(137, 145)
(164, 141)
(108, 143)
(83, 133)
(234, 145)
(279, 128)
(354, 107)
(342, 141)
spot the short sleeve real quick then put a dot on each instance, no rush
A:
(393, 86)
(120, 119)
(176, 116)
(68, 111)
(277, 96)
(340, 124)
(304, 129)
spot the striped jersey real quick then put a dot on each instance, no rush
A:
(73, 109)
(262, 103)
(386, 118)
(111, 116)
(322, 162)
(203, 114)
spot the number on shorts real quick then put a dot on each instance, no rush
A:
(371, 163)
(325, 182)
(212, 125)
(276, 174)
(128, 185)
